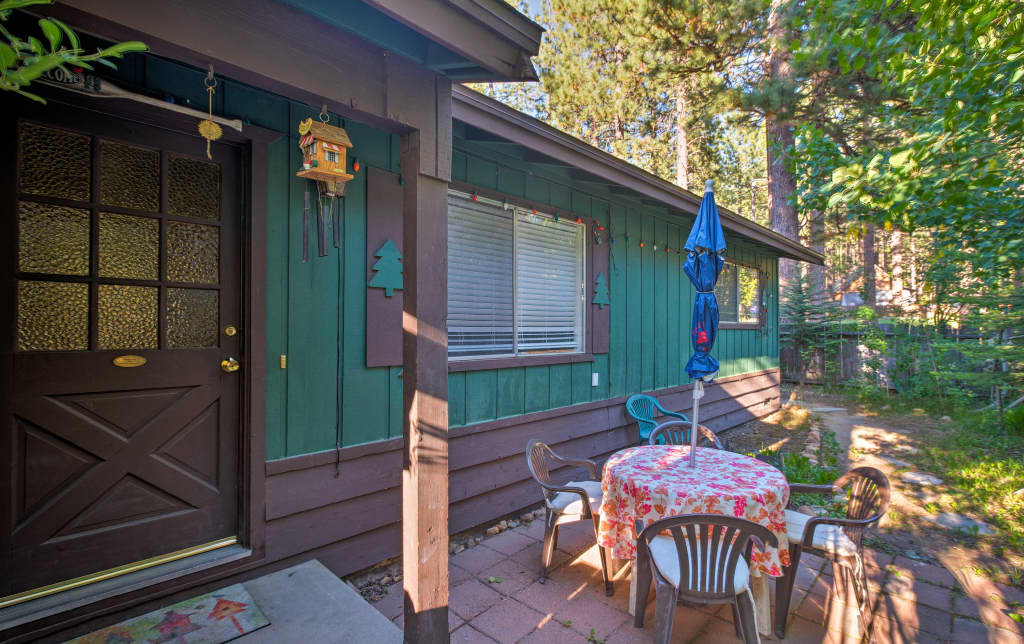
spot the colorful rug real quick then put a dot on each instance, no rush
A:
(216, 617)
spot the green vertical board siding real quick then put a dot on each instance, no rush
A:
(457, 398)
(660, 306)
(277, 297)
(651, 302)
(617, 315)
(481, 395)
(511, 392)
(536, 388)
(561, 385)
(316, 310)
(648, 342)
(634, 304)
(314, 339)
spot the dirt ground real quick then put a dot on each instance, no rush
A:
(887, 443)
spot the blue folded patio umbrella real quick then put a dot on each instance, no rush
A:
(704, 261)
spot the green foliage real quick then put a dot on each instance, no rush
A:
(23, 61)
(913, 111)
(810, 326)
(984, 467)
(1014, 421)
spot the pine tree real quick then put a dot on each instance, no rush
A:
(808, 326)
(388, 269)
(601, 291)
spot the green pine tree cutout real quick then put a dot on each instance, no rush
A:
(388, 269)
(601, 291)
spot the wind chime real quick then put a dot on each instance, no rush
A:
(324, 148)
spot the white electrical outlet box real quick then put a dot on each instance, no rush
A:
(595, 379)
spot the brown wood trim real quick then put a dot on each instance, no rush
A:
(383, 223)
(254, 344)
(330, 457)
(488, 476)
(483, 112)
(480, 364)
(734, 326)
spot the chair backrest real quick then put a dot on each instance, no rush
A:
(868, 493)
(538, 459)
(677, 432)
(710, 545)
(641, 407)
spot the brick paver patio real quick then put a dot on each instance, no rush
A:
(913, 601)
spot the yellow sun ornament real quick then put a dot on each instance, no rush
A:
(207, 128)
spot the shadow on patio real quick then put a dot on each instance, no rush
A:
(495, 596)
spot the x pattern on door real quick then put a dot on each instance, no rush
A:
(112, 458)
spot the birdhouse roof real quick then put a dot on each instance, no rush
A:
(329, 133)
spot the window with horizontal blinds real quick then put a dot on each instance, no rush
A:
(515, 281)
(481, 264)
(549, 278)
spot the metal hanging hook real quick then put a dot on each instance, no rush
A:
(324, 116)
(210, 81)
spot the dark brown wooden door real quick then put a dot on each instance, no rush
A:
(124, 246)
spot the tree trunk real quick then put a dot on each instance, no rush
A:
(896, 252)
(815, 273)
(682, 150)
(870, 260)
(780, 139)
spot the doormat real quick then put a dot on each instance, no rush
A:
(215, 617)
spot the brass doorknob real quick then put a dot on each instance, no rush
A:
(230, 365)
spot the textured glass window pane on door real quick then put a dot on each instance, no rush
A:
(193, 253)
(193, 318)
(53, 316)
(55, 163)
(127, 316)
(193, 188)
(52, 239)
(129, 247)
(129, 176)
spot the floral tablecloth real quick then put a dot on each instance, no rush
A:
(655, 481)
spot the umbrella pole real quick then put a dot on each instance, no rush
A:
(698, 393)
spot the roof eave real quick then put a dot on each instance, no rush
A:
(490, 33)
(485, 113)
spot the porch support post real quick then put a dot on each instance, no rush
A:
(425, 378)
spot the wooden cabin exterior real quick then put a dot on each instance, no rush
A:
(264, 407)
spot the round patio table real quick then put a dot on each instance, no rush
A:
(651, 482)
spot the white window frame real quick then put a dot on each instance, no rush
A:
(582, 308)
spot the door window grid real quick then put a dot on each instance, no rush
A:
(94, 273)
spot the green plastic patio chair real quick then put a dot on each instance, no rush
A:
(642, 408)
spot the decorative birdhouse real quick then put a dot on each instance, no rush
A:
(323, 156)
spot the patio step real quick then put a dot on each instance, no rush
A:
(308, 603)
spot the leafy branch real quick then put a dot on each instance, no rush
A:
(23, 61)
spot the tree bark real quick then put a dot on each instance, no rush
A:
(780, 139)
(896, 252)
(870, 261)
(682, 149)
(815, 273)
